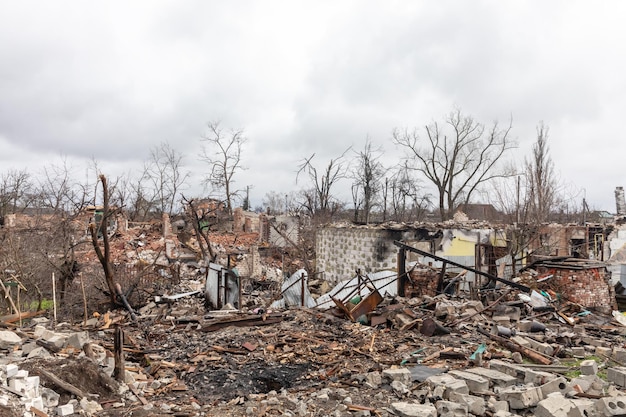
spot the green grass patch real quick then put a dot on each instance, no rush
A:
(574, 363)
(45, 305)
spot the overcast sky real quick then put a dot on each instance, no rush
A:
(109, 80)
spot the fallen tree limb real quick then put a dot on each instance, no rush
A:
(64, 385)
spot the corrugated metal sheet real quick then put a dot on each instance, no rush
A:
(292, 291)
(212, 291)
(384, 281)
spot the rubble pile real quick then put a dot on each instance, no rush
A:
(232, 337)
(428, 356)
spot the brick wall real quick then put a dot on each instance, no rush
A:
(422, 282)
(588, 287)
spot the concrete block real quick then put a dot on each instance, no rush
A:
(558, 385)
(524, 375)
(29, 386)
(40, 321)
(39, 353)
(58, 341)
(528, 326)
(496, 406)
(475, 383)
(544, 377)
(78, 340)
(517, 357)
(603, 351)
(612, 406)
(521, 340)
(90, 407)
(556, 405)
(401, 374)
(10, 370)
(597, 384)
(21, 373)
(29, 347)
(92, 322)
(544, 348)
(8, 339)
(579, 351)
(520, 398)
(475, 405)
(512, 312)
(581, 384)
(450, 409)
(449, 384)
(373, 379)
(501, 320)
(617, 375)
(585, 406)
(400, 389)
(405, 409)
(65, 410)
(505, 414)
(619, 354)
(495, 377)
(35, 402)
(41, 332)
(50, 398)
(589, 367)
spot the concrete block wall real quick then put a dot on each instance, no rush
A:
(341, 251)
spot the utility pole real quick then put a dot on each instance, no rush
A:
(517, 205)
(246, 202)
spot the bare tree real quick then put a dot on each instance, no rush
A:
(367, 174)
(43, 241)
(164, 172)
(104, 253)
(279, 203)
(58, 190)
(406, 198)
(223, 155)
(506, 195)
(457, 157)
(64, 198)
(319, 199)
(16, 189)
(541, 182)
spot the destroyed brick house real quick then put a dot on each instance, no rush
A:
(435, 319)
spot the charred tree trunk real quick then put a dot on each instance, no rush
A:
(104, 254)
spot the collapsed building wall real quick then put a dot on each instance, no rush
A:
(583, 283)
(280, 231)
(343, 249)
(340, 251)
(245, 221)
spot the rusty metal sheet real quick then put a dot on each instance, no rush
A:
(366, 305)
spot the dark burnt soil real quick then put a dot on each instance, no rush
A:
(253, 378)
(82, 373)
